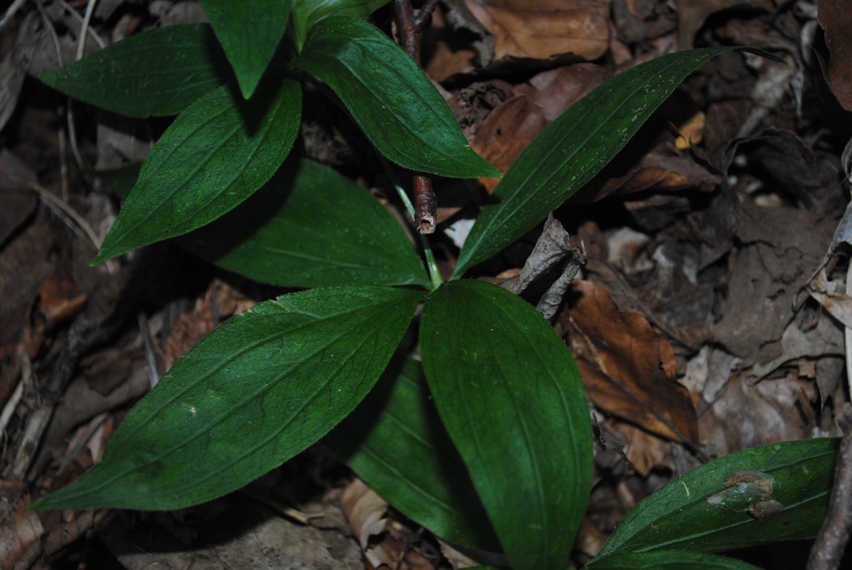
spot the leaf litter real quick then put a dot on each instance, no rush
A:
(709, 318)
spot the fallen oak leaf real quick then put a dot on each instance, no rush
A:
(628, 369)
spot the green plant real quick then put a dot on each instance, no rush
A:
(269, 383)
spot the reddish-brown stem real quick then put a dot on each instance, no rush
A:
(425, 204)
(407, 29)
(410, 30)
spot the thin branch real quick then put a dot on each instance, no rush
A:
(425, 204)
(424, 13)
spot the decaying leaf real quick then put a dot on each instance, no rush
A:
(628, 369)
(781, 249)
(541, 30)
(552, 254)
(512, 126)
(365, 510)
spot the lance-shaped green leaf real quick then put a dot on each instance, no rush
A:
(390, 98)
(311, 227)
(307, 13)
(511, 398)
(395, 441)
(156, 73)
(573, 149)
(770, 493)
(670, 560)
(249, 32)
(216, 154)
(249, 396)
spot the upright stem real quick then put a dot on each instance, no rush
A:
(410, 30)
(431, 264)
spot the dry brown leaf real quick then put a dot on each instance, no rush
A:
(508, 130)
(835, 18)
(59, 299)
(445, 51)
(644, 451)
(691, 131)
(628, 369)
(543, 29)
(365, 511)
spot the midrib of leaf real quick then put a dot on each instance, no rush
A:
(215, 149)
(410, 93)
(309, 231)
(241, 352)
(547, 182)
(273, 434)
(619, 548)
(413, 93)
(177, 189)
(230, 412)
(533, 459)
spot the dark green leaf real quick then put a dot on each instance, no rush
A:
(390, 98)
(512, 401)
(157, 73)
(251, 395)
(396, 443)
(679, 516)
(310, 227)
(250, 32)
(214, 156)
(307, 13)
(573, 149)
(669, 560)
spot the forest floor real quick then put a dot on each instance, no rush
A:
(709, 317)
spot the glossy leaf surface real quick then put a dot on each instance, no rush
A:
(155, 73)
(256, 391)
(307, 13)
(216, 154)
(390, 98)
(573, 149)
(680, 516)
(512, 401)
(395, 441)
(670, 560)
(310, 227)
(249, 32)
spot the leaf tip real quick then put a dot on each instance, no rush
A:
(248, 85)
(105, 253)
